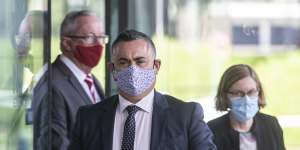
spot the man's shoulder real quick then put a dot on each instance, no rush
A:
(106, 104)
(176, 102)
(178, 106)
(59, 69)
(56, 73)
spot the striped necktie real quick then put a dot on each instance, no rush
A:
(89, 81)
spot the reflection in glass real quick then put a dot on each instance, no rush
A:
(22, 44)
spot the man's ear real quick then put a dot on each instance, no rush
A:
(66, 44)
(112, 69)
(157, 63)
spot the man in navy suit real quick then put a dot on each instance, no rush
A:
(139, 118)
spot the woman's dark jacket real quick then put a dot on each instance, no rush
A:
(266, 129)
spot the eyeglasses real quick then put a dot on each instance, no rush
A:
(23, 39)
(91, 38)
(239, 94)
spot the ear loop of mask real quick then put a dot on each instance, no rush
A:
(155, 67)
(114, 71)
(153, 64)
(113, 68)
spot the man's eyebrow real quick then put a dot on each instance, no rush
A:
(139, 58)
(122, 59)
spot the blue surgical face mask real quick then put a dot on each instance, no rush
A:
(244, 108)
(134, 80)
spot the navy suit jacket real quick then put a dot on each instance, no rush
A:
(176, 125)
(67, 95)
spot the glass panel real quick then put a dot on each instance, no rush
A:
(198, 39)
(65, 103)
(22, 57)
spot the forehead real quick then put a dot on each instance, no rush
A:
(25, 25)
(246, 83)
(133, 49)
(88, 24)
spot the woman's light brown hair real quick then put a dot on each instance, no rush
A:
(232, 75)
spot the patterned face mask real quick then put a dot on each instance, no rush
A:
(134, 80)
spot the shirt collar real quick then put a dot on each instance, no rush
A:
(80, 75)
(146, 103)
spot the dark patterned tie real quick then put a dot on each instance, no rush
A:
(129, 128)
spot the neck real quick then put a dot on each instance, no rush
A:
(84, 68)
(137, 98)
(132, 99)
(81, 66)
(241, 126)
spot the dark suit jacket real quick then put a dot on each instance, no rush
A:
(67, 96)
(176, 125)
(266, 129)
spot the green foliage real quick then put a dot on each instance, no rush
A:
(291, 137)
(184, 73)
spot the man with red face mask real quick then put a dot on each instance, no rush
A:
(82, 42)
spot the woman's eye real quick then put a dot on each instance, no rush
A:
(240, 93)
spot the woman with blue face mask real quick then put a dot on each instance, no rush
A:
(240, 93)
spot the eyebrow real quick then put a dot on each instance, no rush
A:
(244, 91)
(122, 59)
(139, 58)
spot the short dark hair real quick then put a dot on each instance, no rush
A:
(131, 35)
(232, 75)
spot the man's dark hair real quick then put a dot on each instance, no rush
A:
(131, 35)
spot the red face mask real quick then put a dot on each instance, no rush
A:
(88, 55)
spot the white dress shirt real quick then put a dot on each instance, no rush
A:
(143, 122)
(81, 76)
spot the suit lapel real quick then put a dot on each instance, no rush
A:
(107, 126)
(159, 116)
(72, 79)
(99, 88)
(80, 89)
